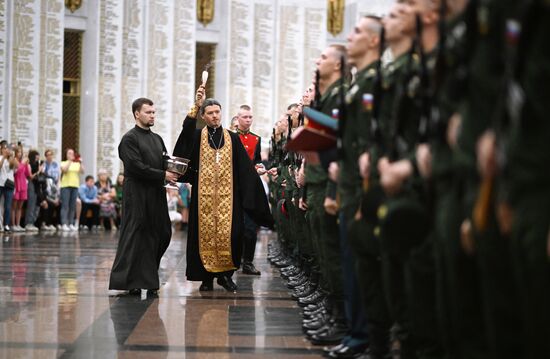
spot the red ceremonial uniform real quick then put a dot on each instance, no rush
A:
(251, 143)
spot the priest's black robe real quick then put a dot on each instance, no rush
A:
(145, 229)
(248, 195)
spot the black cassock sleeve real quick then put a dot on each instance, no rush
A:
(258, 152)
(184, 144)
(185, 148)
(129, 153)
(253, 198)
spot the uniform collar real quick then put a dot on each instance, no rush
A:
(241, 132)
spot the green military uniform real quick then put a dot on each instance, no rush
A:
(323, 227)
(405, 228)
(483, 108)
(356, 140)
(458, 293)
(529, 181)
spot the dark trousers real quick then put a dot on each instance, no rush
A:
(368, 267)
(7, 193)
(47, 215)
(355, 313)
(250, 238)
(90, 214)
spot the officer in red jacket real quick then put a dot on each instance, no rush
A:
(252, 145)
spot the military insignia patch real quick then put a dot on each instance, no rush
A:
(368, 100)
(351, 93)
(413, 86)
(513, 31)
(483, 20)
(382, 212)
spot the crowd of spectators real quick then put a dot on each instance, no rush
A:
(42, 195)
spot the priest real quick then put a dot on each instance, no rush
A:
(225, 186)
(145, 226)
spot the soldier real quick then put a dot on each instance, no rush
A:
(405, 230)
(363, 49)
(252, 145)
(528, 177)
(326, 329)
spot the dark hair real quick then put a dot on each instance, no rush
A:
(67, 150)
(340, 50)
(88, 177)
(48, 151)
(291, 106)
(209, 102)
(137, 104)
(32, 155)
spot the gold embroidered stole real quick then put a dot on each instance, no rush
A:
(215, 204)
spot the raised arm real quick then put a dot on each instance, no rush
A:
(184, 144)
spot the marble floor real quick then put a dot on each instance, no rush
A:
(54, 303)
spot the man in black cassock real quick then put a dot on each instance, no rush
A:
(145, 226)
(224, 186)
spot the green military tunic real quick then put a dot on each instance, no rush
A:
(529, 181)
(323, 227)
(357, 139)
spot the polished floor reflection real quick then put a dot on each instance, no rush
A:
(54, 303)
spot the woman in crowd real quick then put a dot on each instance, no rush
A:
(71, 169)
(118, 195)
(7, 183)
(48, 195)
(106, 195)
(185, 195)
(22, 174)
(33, 208)
(174, 201)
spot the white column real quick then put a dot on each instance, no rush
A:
(264, 68)
(374, 7)
(4, 76)
(160, 44)
(110, 65)
(25, 62)
(241, 41)
(90, 113)
(184, 64)
(290, 54)
(51, 76)
(315, 20)
(133, 51)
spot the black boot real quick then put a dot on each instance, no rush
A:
(226, 282)
(248, 268)
(207, 285)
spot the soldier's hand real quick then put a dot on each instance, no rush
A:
(170, 176)
(505, 218)
(301, 177)
(334, 171)
(302, 204)
(260, 169)
(467, 238)
(392, 175)
(487, 154)
(424, 160)
(331, 206)
(200, 96)
(364, 165)
(453, 129)
(273, 173)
